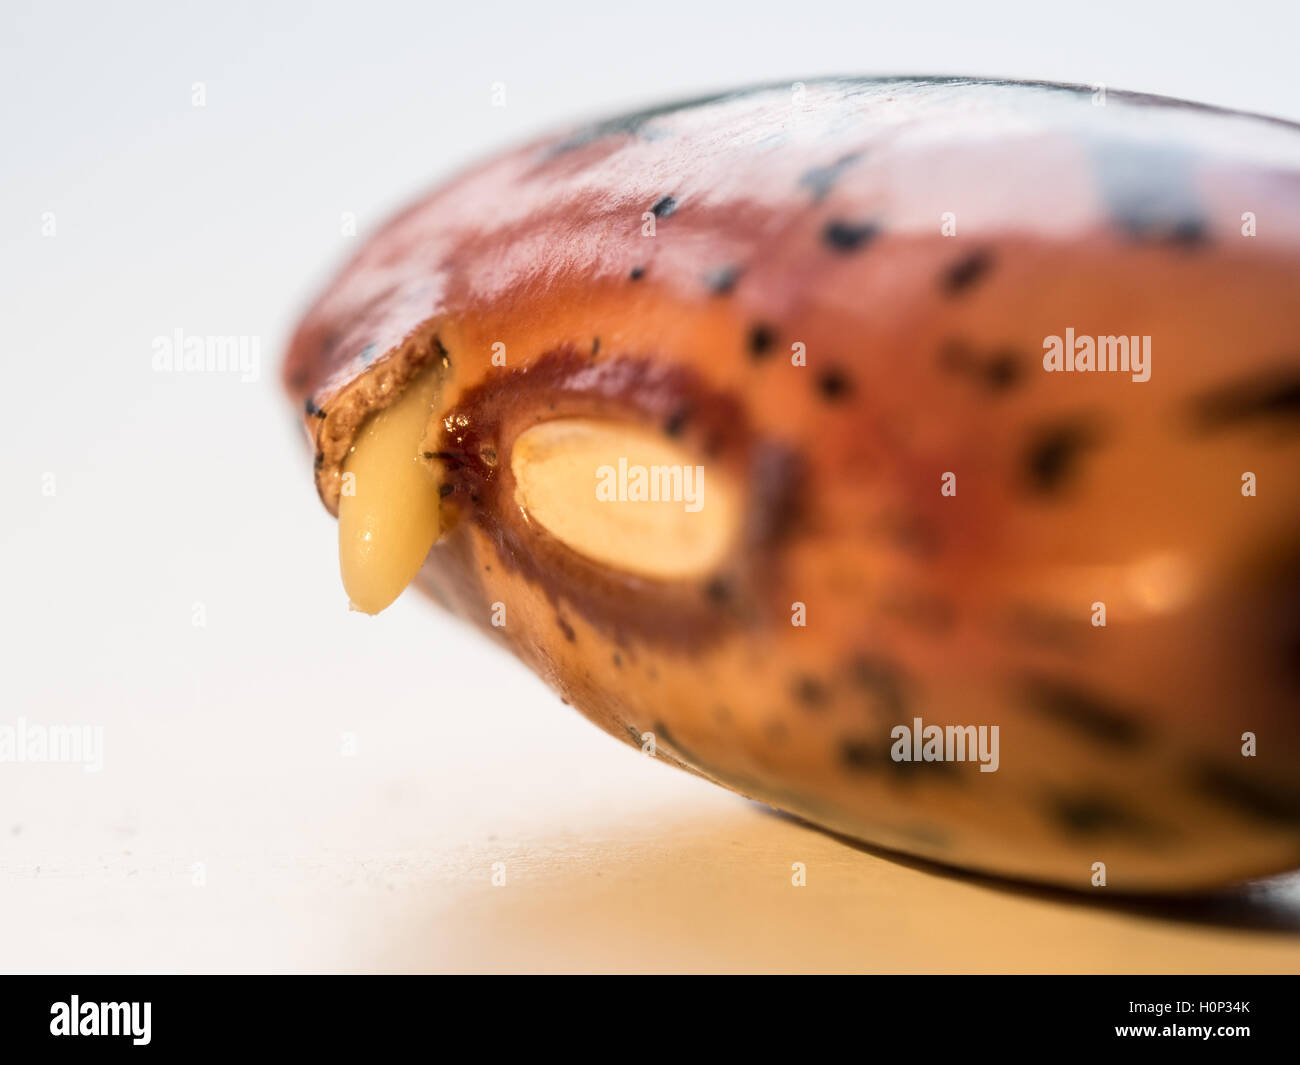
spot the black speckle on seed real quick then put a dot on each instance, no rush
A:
(1003, 371)
(834, 385)
(664, 207)
(1273, 396)
(1051, 459)
(1257, 799)
(1176, 232)
(1188, 232)
(718, 591)
(440, 352)
(1089, 815)
(999, 372)
(778, 494)
(821, 179)
(859, 755)
(810, 692)
(761, 339)
(636, 273)
(882, 681)
(966, 271)
(862, 755)
(313, 410)
(1093, 715)
(567, 629)
(843, 236)
(618, 660)
(595, 346)
(444, 490)
(1150, 191)
(722, 280)
(676, 421)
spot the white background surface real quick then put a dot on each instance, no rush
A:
(223, 742)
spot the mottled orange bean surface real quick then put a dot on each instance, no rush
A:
(844, 298)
